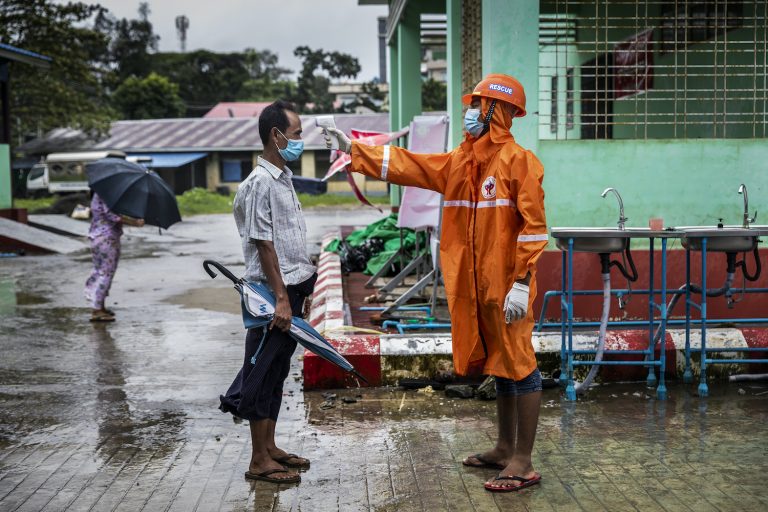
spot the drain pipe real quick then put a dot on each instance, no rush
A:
(605, 274)
(743, 265)
(711, 292)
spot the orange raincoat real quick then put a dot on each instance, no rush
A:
(493, 231)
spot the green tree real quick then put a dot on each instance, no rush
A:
(262, 65)
(69, 93)
(131, 43)
(206, 78)
(152, 97)
(433, 95)
(370, 97)
(267, 80)
(312, 86)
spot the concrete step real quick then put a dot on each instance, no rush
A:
(16, 234)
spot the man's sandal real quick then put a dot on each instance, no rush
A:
(102, 317)
(524, 482)
(286, 461)
(483, 463)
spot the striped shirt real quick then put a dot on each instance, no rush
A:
(266, 208)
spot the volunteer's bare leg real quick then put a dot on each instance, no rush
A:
(502, 453)
(261, 460)
(527, 421)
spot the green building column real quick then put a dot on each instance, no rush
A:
(6, 199)
(453, 51)
(405, 88)
(409, 64)
(394, 106)
(511, 46)
(394, 91)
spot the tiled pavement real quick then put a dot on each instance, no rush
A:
(131, 424)
(123, 417)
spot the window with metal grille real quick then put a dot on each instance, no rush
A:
(634, 69)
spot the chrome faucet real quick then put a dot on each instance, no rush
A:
(622, 218)
(747, 219)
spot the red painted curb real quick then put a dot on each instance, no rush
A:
(756, 338)
(360, 350)
(635, 340)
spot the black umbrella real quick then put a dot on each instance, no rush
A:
(133, 190)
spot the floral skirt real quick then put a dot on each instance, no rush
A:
(106, 253)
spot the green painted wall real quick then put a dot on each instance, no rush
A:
(511, 46)
(5, 177)
(687, 182)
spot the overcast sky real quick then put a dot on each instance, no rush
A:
(277, 25)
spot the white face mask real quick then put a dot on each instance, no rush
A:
(292, 151)
(472, 122)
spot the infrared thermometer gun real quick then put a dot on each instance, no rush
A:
(326, 122)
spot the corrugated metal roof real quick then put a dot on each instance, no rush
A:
(221, 134)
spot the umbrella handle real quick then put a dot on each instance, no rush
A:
(207, 264)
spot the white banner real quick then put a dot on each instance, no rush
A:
(419, 208)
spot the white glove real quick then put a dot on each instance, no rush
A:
(516, 303)
(345, 144)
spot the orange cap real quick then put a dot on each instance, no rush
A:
(500, 87)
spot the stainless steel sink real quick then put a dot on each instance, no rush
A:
(597, 240)
(726, 239)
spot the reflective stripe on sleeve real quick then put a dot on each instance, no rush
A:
(481, 204)
(495, 203)
(385, 163)
(466, 204)
(533, 238)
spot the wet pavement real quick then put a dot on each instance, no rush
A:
(123, 416)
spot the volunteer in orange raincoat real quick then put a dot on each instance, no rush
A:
(493, 231)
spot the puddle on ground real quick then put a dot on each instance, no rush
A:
(223, 300)
(30, 299)
(11, 298)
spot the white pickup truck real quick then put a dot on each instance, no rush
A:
(62, 173)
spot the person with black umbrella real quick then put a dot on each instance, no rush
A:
(104, 234)
(123, 193)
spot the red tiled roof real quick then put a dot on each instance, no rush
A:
(237, 109)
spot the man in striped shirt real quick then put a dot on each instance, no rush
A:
(274, 240)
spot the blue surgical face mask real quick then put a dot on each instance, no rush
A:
(472, 122)
(293, 150)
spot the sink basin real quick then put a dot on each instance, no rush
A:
(596, 240)
(727, 239)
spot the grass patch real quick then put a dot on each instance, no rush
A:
(308, 201)
(34, 204)
(200, 201)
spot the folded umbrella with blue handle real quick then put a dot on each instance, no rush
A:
(258, 306)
